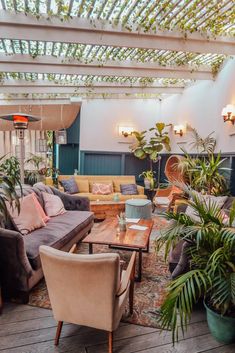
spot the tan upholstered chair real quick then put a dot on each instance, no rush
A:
(166, 197)
(87, 289)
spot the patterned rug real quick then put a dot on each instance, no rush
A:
(149, 293)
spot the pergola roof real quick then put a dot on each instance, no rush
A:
(111, 48)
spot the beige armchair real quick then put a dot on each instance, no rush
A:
(87, 289)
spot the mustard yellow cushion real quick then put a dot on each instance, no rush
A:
(83, 185)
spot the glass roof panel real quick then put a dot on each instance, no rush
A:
(216, 17)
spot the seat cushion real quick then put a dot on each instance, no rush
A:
(162, 201)
(58, 231)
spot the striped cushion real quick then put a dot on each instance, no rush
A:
(129, 189)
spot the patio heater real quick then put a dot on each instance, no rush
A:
(20, 121)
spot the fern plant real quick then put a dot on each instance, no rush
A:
(212, 264)
(205, 173)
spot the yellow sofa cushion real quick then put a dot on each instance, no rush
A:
(83, 185)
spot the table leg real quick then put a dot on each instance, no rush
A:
(138, 279)
(90, 248)
(148, 245)
(1, 302)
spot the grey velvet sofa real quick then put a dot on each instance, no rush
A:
(20, 265)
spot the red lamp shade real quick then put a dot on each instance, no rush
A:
(20, 122)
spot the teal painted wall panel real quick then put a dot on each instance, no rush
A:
(68, 158)
(73, 132)
(101, 164)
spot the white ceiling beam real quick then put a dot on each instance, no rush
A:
(96, 90)
(25, 63)
(81, 83)
(45, 101)
(83, 31)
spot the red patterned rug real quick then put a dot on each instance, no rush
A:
(149, 293)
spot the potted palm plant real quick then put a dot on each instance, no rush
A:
(212, 269)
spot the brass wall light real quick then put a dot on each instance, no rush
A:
(228, 113)
(125, 131)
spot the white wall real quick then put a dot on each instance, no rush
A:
(200, 106)
(100, 119)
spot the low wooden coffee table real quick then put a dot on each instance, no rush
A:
(133, 240)
(104, 209)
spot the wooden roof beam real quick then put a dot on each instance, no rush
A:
(48, 64)
(82, 31)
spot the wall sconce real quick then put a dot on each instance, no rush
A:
(179, 130)
(125, 130)
(228, 113)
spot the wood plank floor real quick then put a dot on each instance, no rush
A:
(26, 329)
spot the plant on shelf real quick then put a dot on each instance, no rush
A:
(204, 172)
(150, 149)
(41, 170)
(212, 269)
(149, 180)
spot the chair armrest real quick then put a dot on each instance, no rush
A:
(163, 192)
(128, 276)
(73, 249)
(73, 202)
(140, 189)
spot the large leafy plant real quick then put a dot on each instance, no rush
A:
(10, 166)
(8, 183)
(212, 264)
(204, 172)
(150, 148)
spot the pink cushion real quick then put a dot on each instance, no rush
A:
(53, 205)
(102, 189)
(29, 217)
(40, 209)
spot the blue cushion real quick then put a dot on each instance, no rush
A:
(70, 186)
(129, 189)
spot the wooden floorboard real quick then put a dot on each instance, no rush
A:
(27, 329)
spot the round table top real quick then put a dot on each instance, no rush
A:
(138, 202)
